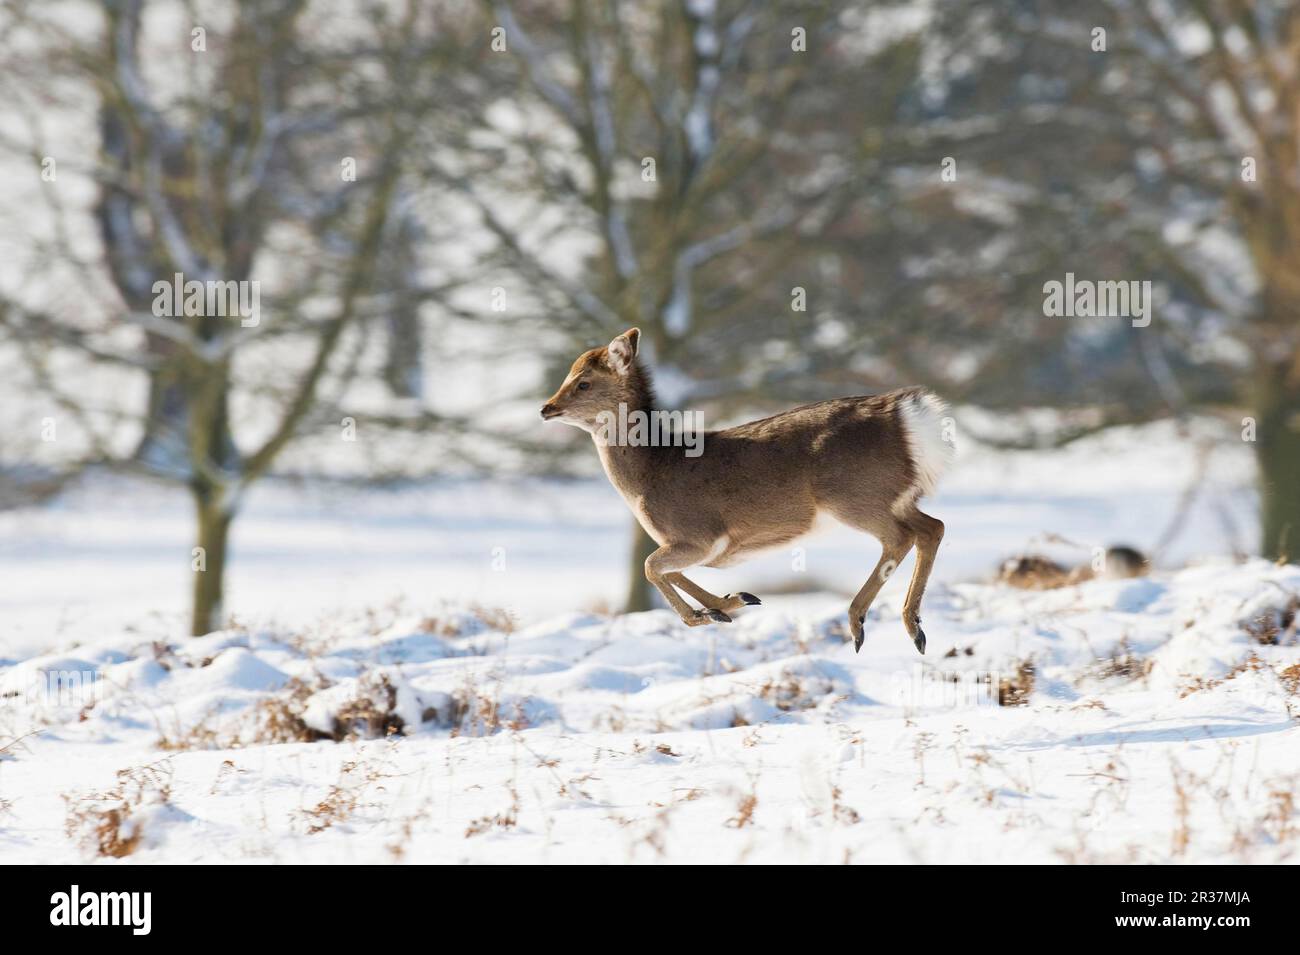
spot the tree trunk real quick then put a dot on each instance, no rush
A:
(1277, 451)
(164, 443)
(209, 565)
(403, 363)
(403, 371)
(640, 595)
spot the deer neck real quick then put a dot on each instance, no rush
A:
(629, 465)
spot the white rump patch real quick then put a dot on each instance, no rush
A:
(922, 419)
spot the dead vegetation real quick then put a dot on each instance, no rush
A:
(276, 718)
(1276, 626)
(478, 619)
(108, 823)
(1184, 784)
(1034, 572)
(473, 711)
(345, 796)
(202, 735)
(371, 714)
(1252, 664)
(744, 811)
(843, 814)
(1016, 688)
(12, 745)
(1278, 821)
(792, 691)
(507, 819)
(1123, 664)
(1290, 678)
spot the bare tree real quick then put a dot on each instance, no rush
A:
(262, 152)
(1158, 140)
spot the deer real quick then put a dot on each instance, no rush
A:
(864, 461)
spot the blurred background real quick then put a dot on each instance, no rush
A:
(436, 205)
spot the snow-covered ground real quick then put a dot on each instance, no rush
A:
(420, 675)
(1159, 723)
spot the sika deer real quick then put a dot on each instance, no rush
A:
(864, 461)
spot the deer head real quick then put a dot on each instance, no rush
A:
(599, 381)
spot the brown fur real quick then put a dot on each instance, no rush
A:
(758, 485)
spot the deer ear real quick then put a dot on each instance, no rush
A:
(623, 349)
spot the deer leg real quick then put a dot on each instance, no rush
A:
(929, 532)
(728, 603)
(662, 565)
(893, 548)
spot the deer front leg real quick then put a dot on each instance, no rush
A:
(664, 564)
(728, 603)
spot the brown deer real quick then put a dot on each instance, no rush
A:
(864, 461)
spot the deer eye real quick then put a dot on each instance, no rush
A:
(584, 385)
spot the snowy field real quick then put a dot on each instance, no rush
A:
(426, 674)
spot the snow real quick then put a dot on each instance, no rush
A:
(590, 738)
(386, 692)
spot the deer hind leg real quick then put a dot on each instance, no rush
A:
(663, 565)
(728, 603)
(929, 532)
(895, 541)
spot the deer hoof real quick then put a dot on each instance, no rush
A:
(859, 635)
(717, 616)
(919, 639)
(750, 599)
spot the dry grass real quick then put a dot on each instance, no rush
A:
(476, 712)
(845, 815)
(201, 735)
(1184, 783)
(1290, 678)
(480, 619)
(338, 806)
(371, 714)
(1015, 689)
(1123, 664)
(103, 823)
(792, 691)
(1279, 820)
(1276, 626)
(276, 718)
(1035, 572)
(1197, 684)
(744, 811)
(502, 820)
(344, 797)
(406, 831)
